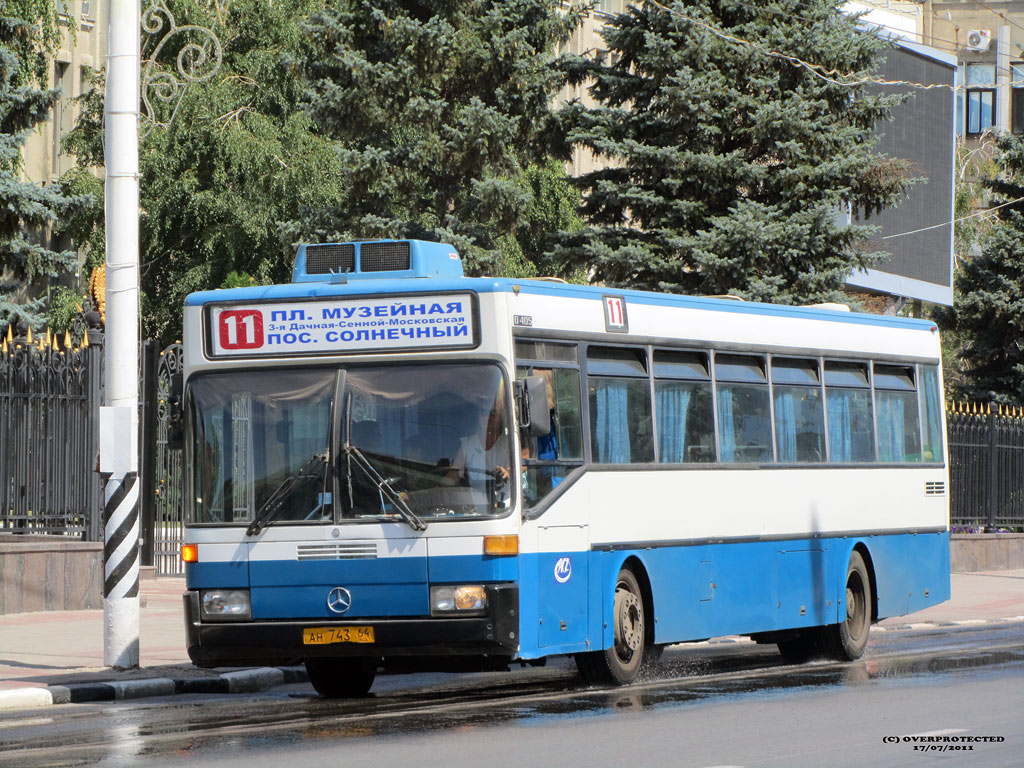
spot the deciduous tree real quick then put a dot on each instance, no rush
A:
(228, 162)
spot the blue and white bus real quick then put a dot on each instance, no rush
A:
(389, 462)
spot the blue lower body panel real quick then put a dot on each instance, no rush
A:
(565, 599)
(709, 590)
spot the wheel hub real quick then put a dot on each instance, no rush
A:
(630, 623)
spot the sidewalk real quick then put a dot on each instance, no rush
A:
(57, 657)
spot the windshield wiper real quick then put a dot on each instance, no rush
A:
(269, 509)
(384, 485)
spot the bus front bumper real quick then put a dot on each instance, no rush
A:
(270, 643)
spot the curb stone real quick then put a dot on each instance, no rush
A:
(262, 678)
(241, 681)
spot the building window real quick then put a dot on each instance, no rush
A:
(63, 117)
(1017, 97)
(981, 98)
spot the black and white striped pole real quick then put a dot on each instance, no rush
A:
(121, 610)
(119, 454)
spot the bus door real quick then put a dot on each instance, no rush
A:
(562, 579)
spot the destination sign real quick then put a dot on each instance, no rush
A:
(342, 325)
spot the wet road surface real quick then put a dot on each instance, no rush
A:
(734, 704)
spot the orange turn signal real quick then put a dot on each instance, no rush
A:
(501, 545)
(190, 553)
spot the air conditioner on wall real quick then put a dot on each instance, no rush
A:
(979, 39)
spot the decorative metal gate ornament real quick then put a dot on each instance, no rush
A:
(198, 59)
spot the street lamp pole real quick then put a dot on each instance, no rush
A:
(119, 455)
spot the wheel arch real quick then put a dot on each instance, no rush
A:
(639, 569)
(862, 548)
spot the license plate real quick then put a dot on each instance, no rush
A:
(328, 635)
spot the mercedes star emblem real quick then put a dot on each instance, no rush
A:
(339, 600)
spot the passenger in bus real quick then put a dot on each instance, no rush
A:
(538, 481)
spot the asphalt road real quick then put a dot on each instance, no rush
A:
(917, 698)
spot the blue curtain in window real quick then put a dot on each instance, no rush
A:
(840, 427)
(673, 402)
(612, 422)
(890, 428)
(785, 426)
(726, 425)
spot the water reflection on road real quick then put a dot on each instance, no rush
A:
(192, 726)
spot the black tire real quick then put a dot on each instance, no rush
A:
(652, 656)
(620, 664)
(846, 640)
(342, 678)
(801, 648)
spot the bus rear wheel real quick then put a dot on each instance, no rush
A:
(801, 648)
(846, 640)
(619, 664)
(342, 678)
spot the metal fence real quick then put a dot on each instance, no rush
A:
(986, 466)
(50, 397)
(49, 442)
(166, 470)
(49, 416)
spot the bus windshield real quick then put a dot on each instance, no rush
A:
(431, 440)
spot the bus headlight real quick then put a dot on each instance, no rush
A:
(464, 600)
(225, 604)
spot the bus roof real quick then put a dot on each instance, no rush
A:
(482, 285)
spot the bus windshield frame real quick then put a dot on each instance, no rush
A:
(368, 443)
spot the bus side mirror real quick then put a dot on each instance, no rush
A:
(532, 403)
(176, 414)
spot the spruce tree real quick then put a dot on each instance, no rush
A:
(27, 209)
(988, 306)
(437, 108)
(725, 166)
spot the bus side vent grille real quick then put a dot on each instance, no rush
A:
(324, 259)
(337, 551)
(384, 257)
(935, 489)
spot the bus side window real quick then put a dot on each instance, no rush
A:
(744, 421)
(549, 459)
(899, 430)
(931, 405)
(620, 406)
(799, 411)
(851, 433)
(684, 414)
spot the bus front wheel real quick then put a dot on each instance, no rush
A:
(619, 664)
(342, 678)
(846, 640)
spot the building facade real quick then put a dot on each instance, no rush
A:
(82, 48)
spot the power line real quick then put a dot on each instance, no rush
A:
(818, 70)
(999, 14)
(977, 214)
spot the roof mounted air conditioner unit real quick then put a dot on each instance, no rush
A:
(979, 39)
